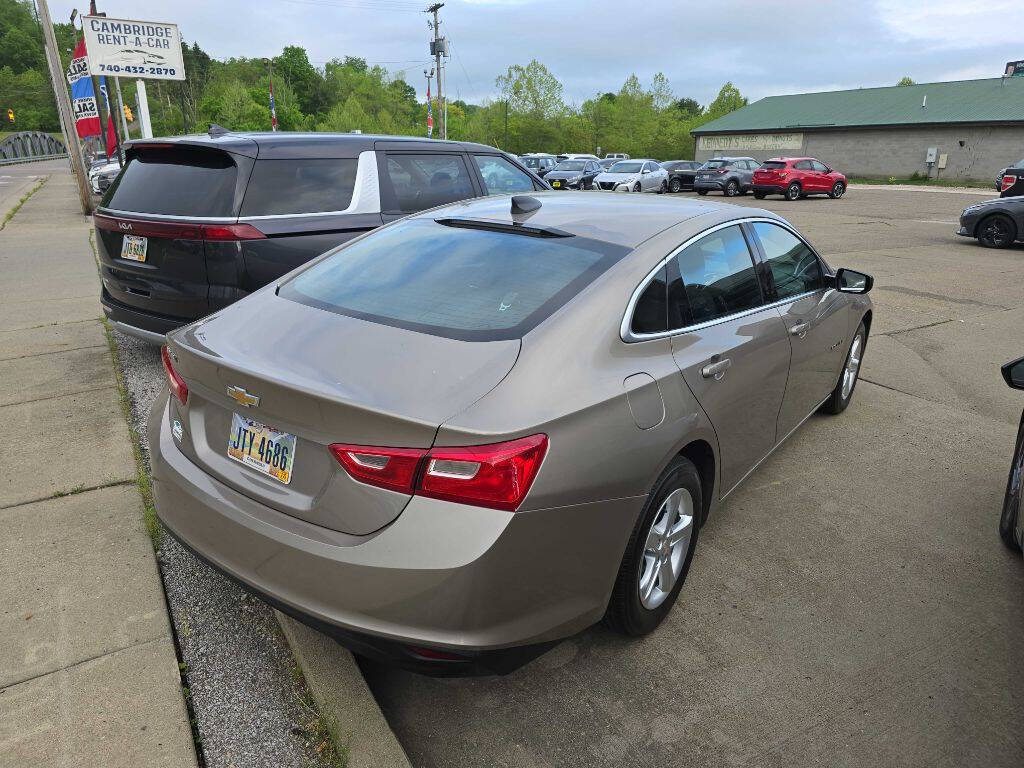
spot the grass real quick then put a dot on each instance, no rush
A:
(321, 732)
(24, 198)
(920, 181)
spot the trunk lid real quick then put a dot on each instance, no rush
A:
(324, 378)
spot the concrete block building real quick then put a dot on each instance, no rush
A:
(966, 129)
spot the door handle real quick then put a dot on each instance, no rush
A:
(799, 330)
(716, 370)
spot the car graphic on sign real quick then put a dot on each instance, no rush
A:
(135, 56)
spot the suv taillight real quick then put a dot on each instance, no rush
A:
(723, 169)
(1008, 181)
(177, 384)
(175, 230)
(498, 475)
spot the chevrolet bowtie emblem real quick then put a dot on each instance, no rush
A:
(243, 397)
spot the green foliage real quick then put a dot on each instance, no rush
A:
(528, 113)
(905, 80)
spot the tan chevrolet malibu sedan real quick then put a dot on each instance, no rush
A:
(466, 435)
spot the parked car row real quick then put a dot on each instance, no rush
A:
(791, 177)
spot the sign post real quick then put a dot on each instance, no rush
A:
(144, 122)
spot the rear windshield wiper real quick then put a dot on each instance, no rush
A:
(515, 228)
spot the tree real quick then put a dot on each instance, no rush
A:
(729, 99)
(905, 80)
(688, 108)
(531, 90)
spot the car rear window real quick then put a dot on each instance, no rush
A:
(460, 282)
(717, 163)
(316, 185)
(175, 182)
(773, 165)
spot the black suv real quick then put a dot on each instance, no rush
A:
(196, 222)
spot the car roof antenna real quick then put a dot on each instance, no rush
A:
(217, 130)
(524, 204)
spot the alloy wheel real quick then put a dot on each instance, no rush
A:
(675, 185)
(793, 192)
(667, 542)
(838, 189)
(852, 366)
(995, 233)
(731, 189)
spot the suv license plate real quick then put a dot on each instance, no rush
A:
(134, 248)
(262, 448)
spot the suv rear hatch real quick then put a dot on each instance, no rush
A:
(153, 221)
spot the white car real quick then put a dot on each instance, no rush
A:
(633, 176)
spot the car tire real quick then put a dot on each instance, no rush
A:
(1014, 493)
(759, 195)
(637, 187)
(675, 186)
(837, 190)
(649, 559)
(793, 191)
(702, 191)
(663, 188)
(731, 188)
(996, 231)
(849, 375)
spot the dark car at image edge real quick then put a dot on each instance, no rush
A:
(997, 223)
(194, 223)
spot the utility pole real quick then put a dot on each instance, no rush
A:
(438, 47)
(60, 93)
(430, 119)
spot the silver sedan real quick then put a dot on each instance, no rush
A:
(466, 435)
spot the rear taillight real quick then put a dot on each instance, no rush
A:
(1008, 181)
(391, 468)
(177, 384)
(231, 232)
(498, 475)
(723, 170)
(174, 230)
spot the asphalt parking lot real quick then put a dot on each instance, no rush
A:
(852, 603)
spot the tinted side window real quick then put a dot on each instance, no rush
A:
(794, 267)
(819, 167)
(500, 176)
(423, 181)
(299, 186)
(718, 276)
(176, 182)
(803, 165)
(650, 313)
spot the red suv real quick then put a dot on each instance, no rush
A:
(794, 177)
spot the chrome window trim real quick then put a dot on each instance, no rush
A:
(626, 327)
(365, 192)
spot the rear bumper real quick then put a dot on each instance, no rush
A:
(701, 184)
(770, 189)
(493, 588)
(144, 325)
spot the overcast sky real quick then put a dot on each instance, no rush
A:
(765, 48)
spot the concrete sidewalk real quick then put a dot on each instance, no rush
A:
(88, 673)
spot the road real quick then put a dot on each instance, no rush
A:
(852, 603)
(16, 180)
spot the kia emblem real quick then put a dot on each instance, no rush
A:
(125, 226)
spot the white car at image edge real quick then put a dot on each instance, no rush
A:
(633, 176)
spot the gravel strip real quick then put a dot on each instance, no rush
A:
(251, 707)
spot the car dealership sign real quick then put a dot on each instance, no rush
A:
(751, 141)
(123, 48)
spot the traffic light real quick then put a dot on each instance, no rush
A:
(10, 115)
(128, 114)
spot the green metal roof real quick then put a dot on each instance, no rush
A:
(961, 101)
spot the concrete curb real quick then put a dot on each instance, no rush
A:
(343, 698)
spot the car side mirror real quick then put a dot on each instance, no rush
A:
(1013, 372)
(646, 170)
(851, 281)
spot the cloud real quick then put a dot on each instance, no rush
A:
(592, 46)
